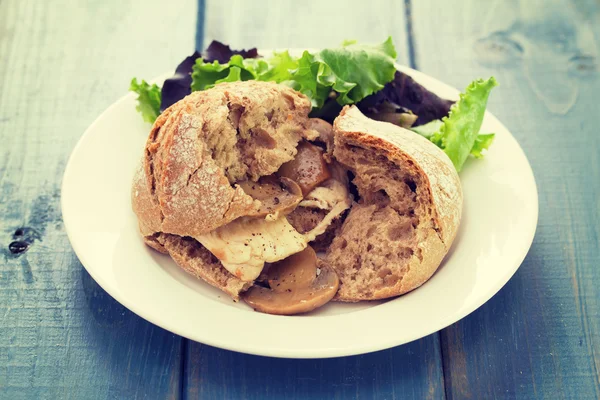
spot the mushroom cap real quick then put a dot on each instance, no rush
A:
(294, 286)
(298, 270)
(276, 196)
(308, 168)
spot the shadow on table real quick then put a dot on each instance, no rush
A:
(409, 371)
(129, 356)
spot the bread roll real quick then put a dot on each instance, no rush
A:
(409, 210)
(390, 242)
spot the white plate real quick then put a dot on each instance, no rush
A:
(499, 221)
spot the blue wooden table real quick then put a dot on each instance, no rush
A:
(62, 62)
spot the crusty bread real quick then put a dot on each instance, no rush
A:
(408, 214)
(187, 252)
(202, 144)
(196, 150)
(390, 242)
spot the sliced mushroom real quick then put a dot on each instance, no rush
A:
(294, 286)
(298, 270)
(308, 168)
(276, 195)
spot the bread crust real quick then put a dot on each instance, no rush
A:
(183, 185)
(437, 172)
(181, 190)
(397, 143)
(187, 191)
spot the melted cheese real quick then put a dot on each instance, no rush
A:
(244, 245)
(321, 227)
(325, 197)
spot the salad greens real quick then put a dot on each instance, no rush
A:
(354, 73)
(206, 74)
(217, 51)
(405, 93)
(148, 99)
(179, 85)
(483, 141)
(429, 129)
(459, 130)
(458, 133)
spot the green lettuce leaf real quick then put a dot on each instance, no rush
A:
(305, 79)
(429, 129)
(148, 99)
(354, 71)
(250, 68)
(234, 75)
(458, 133)
(279, 68)
(205, 75)
(482, 143)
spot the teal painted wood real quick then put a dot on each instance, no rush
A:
(61, 336)
(61, 64)
(539, 338)
(272, 24)
(413, 371)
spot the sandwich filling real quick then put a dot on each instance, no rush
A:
(244, 245)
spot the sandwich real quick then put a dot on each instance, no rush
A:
(242, 189)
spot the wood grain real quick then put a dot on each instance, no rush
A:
(412, 371)
(64, 61)
(272, 24)
(540, 336)
(61, 64)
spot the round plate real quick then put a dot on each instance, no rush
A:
(498, 225)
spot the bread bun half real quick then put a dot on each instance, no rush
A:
(199, 147)
(408, 213)
(197, 151)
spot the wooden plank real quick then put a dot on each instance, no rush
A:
(61, 64)
(540, 336)
(280, 24)
(410, 371)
